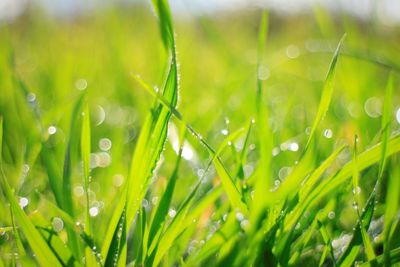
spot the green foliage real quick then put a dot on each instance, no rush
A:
(256, 167)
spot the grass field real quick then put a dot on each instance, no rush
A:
(132, 137)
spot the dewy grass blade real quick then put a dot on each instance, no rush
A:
(158, 221)
(226, 179)
(386, 123)
(152, 137)
(85, 156)
(44, 254)
(351, 252)
(69, 160)
(264, 133)
(327, 92)
(356, 194)
(393, 189)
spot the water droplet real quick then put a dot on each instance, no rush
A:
(81, 84)
(105, 144)
(252, 146)
(224, 217)
(229, 143)
(200, 172)
(57, 224)
(298, 225)
(283, 172)
(23, 202)
(154, 200)
(224, 131)
(275, 151)
(239, 216)
(293, 147)
(357, 190)
(331, 215)
(328, 133)
(355, 206)
(398, 115)
(277, 182)
(25, 168)
(244, 224)
(94, 211)
(145, 203)
(52, 130)
(31, 97)
(172, 213)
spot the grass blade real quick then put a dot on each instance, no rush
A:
(85, 155)
(327, 92)
(43, 253)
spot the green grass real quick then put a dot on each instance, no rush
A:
(246, 139)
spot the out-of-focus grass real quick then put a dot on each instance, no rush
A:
(253, 172)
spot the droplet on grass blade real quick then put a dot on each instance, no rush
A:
(293, 147)
(172, 213)
(52, 130)
(57, 224)
(328, 133)
(31, 97)
(23, 202)
(331, 215)
(93, 211)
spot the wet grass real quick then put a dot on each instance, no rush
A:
(284, 149)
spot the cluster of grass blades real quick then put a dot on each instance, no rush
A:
(257, 222)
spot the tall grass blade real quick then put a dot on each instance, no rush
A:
(43, 252)
(152, 136)
(85, 155)
(327, 92)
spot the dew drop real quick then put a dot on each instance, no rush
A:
(23, 202)
(398, 115)
(328, 133)
(57, 224)
(357, 190)
(31, 97)
(244, 224)
(239, 216)
(145, 203)
(293, 147)
(52, 130)
(331, 215)
(172, 213)
(94, 211)
(224, 131)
